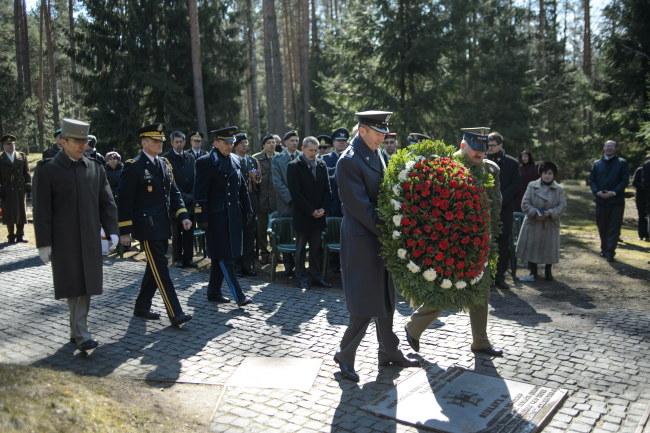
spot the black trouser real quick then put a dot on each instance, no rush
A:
(182, 241)
(641, 208)
(313, 238)
(609, 220)
(19, 232)
(221, 269)
(245, 262)
(157, 276)
(503, 241)
(355, 332)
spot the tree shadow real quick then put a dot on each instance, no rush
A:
(627, 270)
(507, 305)
(562, 292)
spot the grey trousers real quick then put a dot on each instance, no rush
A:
(355, 332)
(424, 316)
(79, 308)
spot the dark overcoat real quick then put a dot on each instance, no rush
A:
(334, 206)
(113, 175)
(369, 289)
(147, 198)
(183, 171)
(308, 194)
(72, 203)
(15, 181)
(221, 199)
(609, 175)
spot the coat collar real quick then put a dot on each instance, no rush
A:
(65, 160)
(366, 154)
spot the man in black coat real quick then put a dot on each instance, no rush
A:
(221, 208)
(310, 193)
(509, 179)
(147, 196)
(51, 151)
(183, 171)
(249, 170)
(608, 178)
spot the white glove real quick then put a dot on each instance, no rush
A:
(114, 241)
(45, 253)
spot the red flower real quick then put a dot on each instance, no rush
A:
(453, 183)
(428, 261)
(449, 261)
(449, 216)
(411, 243)
(440, 257)
(417, 253)
(443, 244)
(406, 185)
(438, 226)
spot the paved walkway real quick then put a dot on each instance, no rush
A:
(604, 364)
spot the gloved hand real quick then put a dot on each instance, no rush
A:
(115, 239)
(45, 253)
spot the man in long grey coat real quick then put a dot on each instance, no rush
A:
(368, 287)
(72, 203)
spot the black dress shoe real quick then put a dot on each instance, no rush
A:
(490, 350)
(248, 273)
(190, 265)
(87, 345)
(347, 370)
(22, 239)
(149, 315)
(502, 284)
(244, 301)
(322, 283)
(218, 299)
(304, 286)
(181, 318)
(402, 362)
(413, 342)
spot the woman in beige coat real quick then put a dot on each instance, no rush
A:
(539, 240)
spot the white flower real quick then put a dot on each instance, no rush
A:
(409, 165)
(430, 274)
(401, 253)
(396, 205)
(446, 284)
(397, 220)
(460, 284)
(485, 264)
(413, 267)
(397, 190)
(396, 234)
(403, 175)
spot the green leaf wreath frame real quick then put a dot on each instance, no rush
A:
(439, 227)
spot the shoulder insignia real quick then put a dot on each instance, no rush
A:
(129, 161)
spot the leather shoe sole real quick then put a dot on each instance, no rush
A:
(244, 301)
(413, 342)
(219, 299)
(87, 345)
(149, 315)
(347, 370)
(181, 318)
(490, 350)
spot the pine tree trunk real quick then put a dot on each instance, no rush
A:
(273, 66)
(18, 23)
(586, 55)
(41, 82)
(197, 74)
(73, 61)
(303, 32)
(45, 6)
(252, 65)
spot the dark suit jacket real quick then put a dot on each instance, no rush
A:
(183, 172)
(334, 206)
(147, 198)
(308, 193)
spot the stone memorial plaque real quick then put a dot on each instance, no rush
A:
(261, 372)
(462, 401)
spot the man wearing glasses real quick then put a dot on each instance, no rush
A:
(509, 179)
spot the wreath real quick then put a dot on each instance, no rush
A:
(436, 237)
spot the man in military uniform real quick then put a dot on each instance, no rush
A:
(283, 202)
(51, 151)
(91, 152)
(339, 139)
(72, 203)
(416, 137)
(196, 142)
(265, 195)
(147, 196)
(250, 170)
(368, 287)
(390, 143)
(15, 182)
(222, 207)
(324, 145)
(183, 169)
(473, 146)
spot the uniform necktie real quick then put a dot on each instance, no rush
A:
(382, 164)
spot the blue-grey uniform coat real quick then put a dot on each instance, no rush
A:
(221, 199)
(368, 287)
(72, 202)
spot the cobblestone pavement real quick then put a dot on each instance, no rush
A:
(604, 365)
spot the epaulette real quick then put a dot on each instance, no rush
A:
(129, 161)
(169, 166)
